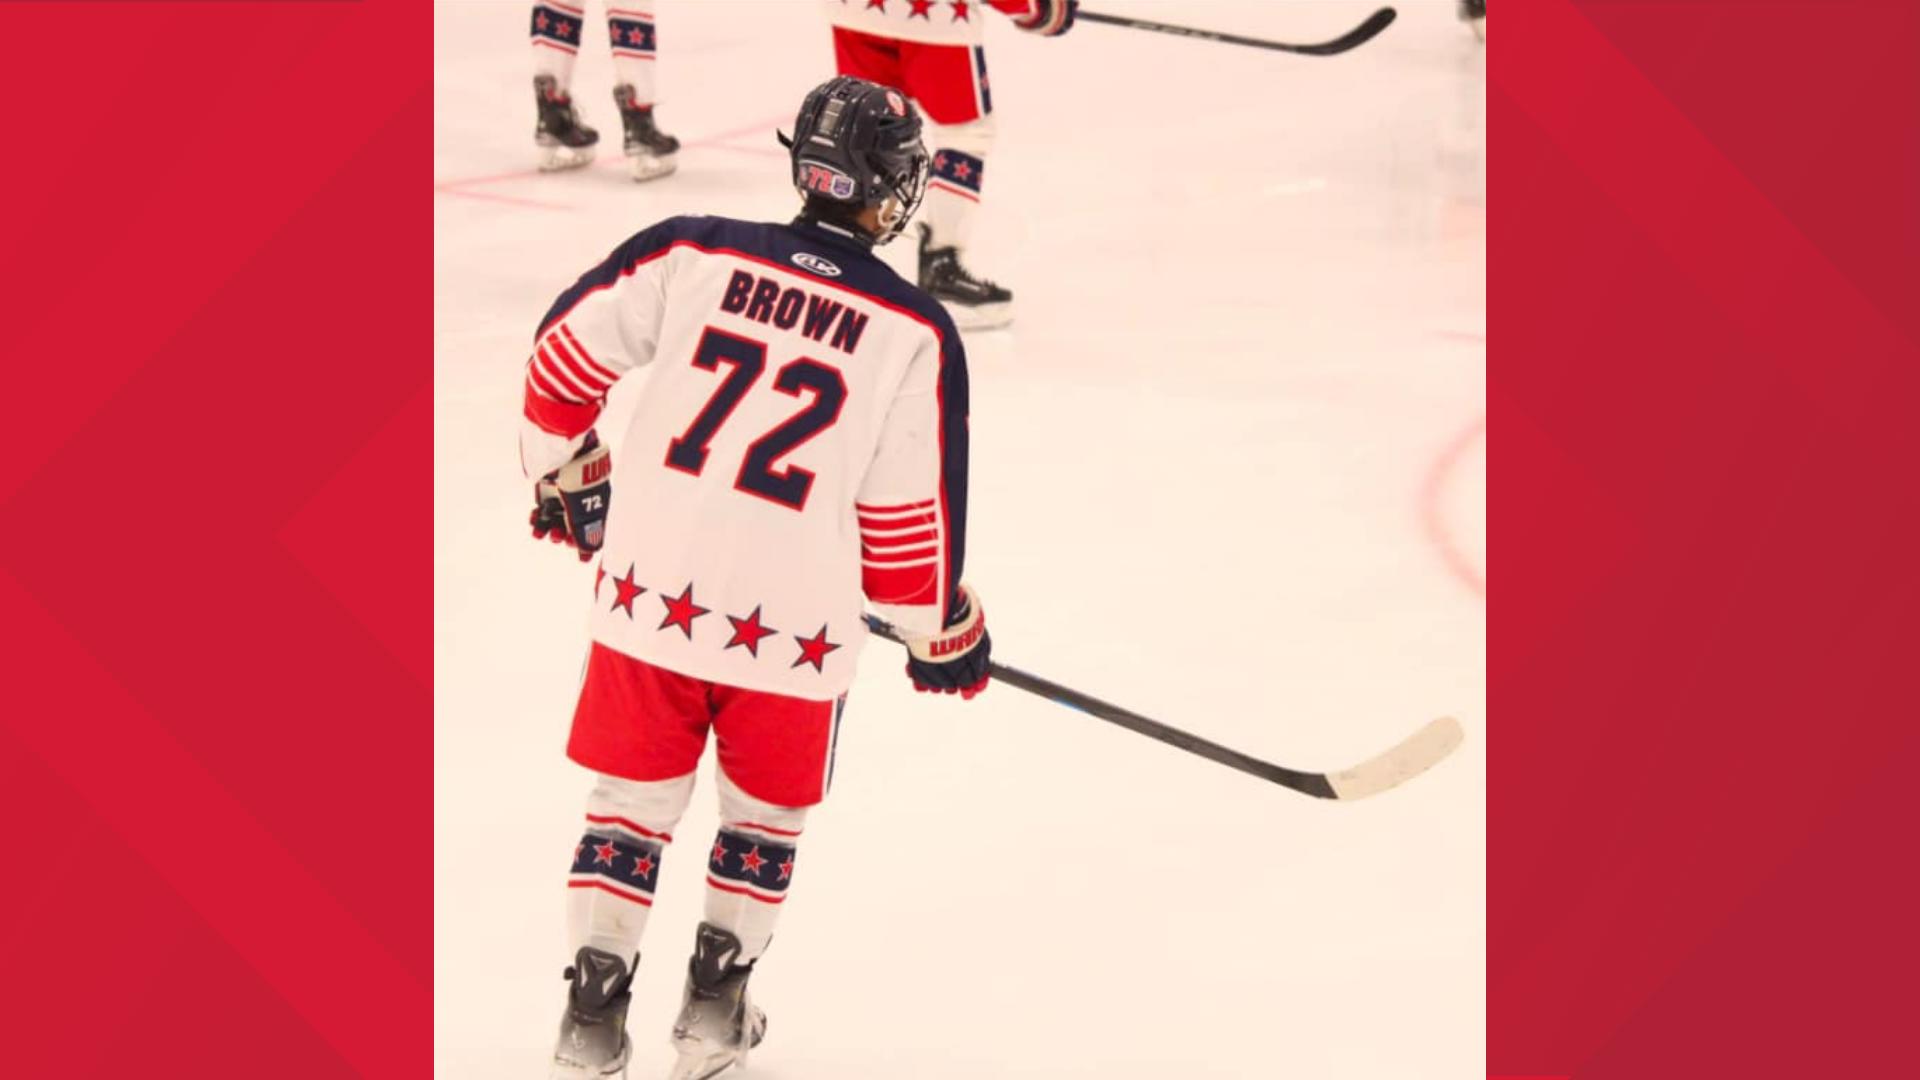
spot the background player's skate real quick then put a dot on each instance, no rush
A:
(718, 1022)
(974, 302)
(564, 142)
(593, 1032)
(650, 152)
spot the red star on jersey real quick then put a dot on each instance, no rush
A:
(881, 4)
(749, 631)
(720, 852)
(599, 575)
(642, 865)
(681, 611)
(814, 649)
(628, 592)
(752, 861)
(604, 853)
(920, 9)
(786, 869)
(960, 11)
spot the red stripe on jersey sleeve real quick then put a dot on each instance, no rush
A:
(562, 418)
(916, 521)
(557, 376)
(571, 352)
(901, 584)
(539, 381)
(869, 508)
(918, 538)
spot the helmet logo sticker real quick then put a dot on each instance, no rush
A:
(824, 180)
(896, 103)
(808, 260)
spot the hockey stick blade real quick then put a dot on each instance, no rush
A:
(1418, 753)
(1352, 39)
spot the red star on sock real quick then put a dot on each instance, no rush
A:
(642, 865)
(749, 631)
(628, 592)
(814, 649)
(786, 869)
(604, 853)
(681, 611)
(599, 575)
(752, 861)
(720, 852)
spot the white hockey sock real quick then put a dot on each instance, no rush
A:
(631, 32)
(556, 39)
(953, 188)
(617, 863)
(750, 866)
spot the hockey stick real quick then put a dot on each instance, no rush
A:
(1353, 38)
(1414, 755)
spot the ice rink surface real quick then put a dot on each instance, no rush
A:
(1228, 470)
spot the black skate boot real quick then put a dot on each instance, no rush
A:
(1474, 14)
(649, 150)
(565, 142)
(593, 1041)
(718, 1023)
(975, 303)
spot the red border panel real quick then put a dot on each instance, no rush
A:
(1705, 372)
(216, 742)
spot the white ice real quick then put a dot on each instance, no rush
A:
(1228, 470)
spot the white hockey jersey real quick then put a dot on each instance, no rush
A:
(801, 447)
(933, 22)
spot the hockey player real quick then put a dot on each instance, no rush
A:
(565, 142)
(931, 51)
(800, 448)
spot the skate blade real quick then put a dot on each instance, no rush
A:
(568, 1071)
(704, 1066)
(980, 316)
(562, 158)
(650, 167)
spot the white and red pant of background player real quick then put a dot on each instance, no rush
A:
(555, 33)
(950, 84)
(643, 729)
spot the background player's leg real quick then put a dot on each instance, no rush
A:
(616, 866)
(564, 142)
(631, 32)
(950, 82)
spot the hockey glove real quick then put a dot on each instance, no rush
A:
(570, 503)
(953, 661)
(1048, 18)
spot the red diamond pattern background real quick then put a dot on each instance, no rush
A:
(1704, 369)
(215, 749)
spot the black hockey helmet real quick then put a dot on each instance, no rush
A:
(857, 144)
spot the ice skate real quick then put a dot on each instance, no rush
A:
(718, 1023)
(651, 153)
(564, 142)
(975, 303)
(593, 1042)
(1474, 14)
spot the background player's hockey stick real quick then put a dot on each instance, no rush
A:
(1353, 38)
(1416, 754)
